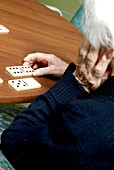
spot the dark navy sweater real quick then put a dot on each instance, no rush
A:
(64, 129)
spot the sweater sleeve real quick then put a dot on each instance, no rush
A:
(30, 130)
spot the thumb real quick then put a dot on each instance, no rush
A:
(41, 71)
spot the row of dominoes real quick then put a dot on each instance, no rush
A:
(23, 83)
(16, 71)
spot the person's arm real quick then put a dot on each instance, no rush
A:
(93, 65)
(30, 132)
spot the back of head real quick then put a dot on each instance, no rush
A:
(97, 22)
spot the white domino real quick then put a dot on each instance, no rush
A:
(3, 29)
(24, 84)
(17, 71)
(1, 80)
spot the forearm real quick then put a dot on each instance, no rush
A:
(23, 137)
(39, 113)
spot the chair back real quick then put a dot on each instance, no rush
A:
(54, 9)
(76, 20)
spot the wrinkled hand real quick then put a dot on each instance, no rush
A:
(44, 64)
(93, 65)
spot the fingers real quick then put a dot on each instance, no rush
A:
(38, 61)
(100, 73)
(50, 70)
(44, 64)
(94, 69)
(91, 58)
(34, 57)
(100, 69)
(42, 71)
(83, 51)
(30, 59)
(106, 75)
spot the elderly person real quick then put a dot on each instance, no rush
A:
(71, 126)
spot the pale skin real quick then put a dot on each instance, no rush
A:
(94, 66)
(2, 168)
(45, 64)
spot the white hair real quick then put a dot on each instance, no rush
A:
(98, 23)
